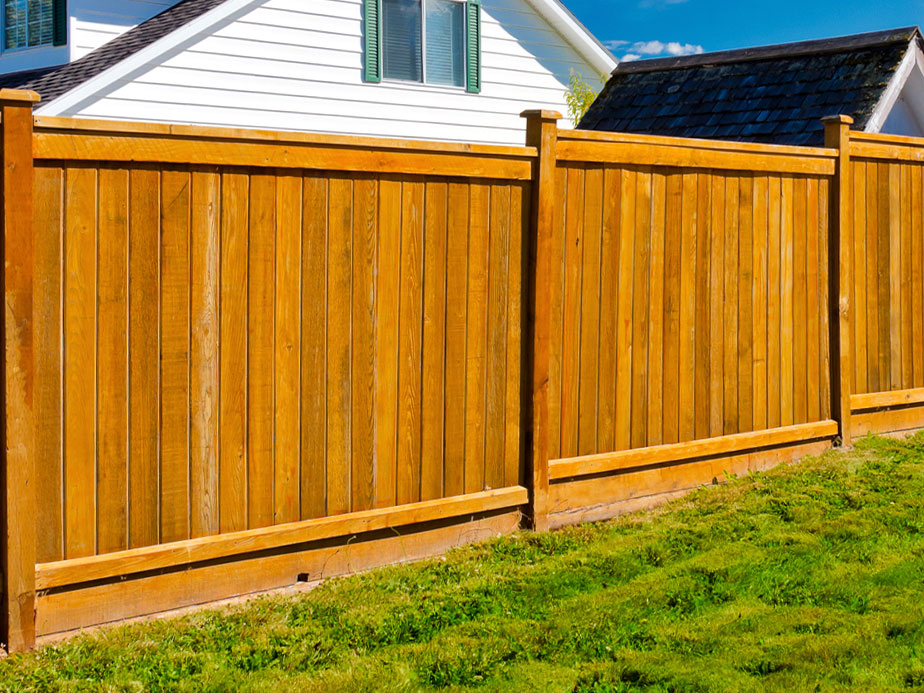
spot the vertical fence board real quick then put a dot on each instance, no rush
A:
(80, 263)
(859, 305)
(717, 307)
(112, 355)
(205, 239)
(629, 200)
(745, 309)
(434, 345)
(687, 308)
(702, 275)
(759, 302)
(143, 385)
(640, 299)
(917, 277)
(174, 356)
(609, 278)
(571, 321)
(588, 356)
(48, 307)
(339, 362)
(410, 330)
(476, 331)
(774, 301)
(730, 367)
(314, 347)
(365, 213)
(495, 394)
(513, 432)
(288, 305)
(655, 318)
(232, 470)
(813, 305)
(455, 405)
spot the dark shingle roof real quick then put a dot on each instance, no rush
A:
(773, 94)
(50, 83)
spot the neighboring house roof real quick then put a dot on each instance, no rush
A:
(163, 32)
(772, 94)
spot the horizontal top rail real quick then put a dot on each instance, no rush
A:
(867, 145)
(696, 143)
(99, 140)
(645, 150)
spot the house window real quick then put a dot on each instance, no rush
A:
(429, 41)
(28, 23)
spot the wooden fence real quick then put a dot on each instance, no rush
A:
(237, 359)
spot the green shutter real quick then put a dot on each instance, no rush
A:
(372, 40)
(473, 46)
(59, 22)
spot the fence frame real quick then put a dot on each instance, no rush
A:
(26, 137)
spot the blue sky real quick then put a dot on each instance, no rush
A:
(640, 27)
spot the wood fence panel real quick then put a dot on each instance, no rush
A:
(887, 306)
(266, 345)
(716, 283)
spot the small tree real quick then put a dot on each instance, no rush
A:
(580, 95)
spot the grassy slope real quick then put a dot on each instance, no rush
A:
(805, 578)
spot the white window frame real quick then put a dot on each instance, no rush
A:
(423, 55)
(27, 47)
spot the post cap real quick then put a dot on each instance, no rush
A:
(19, 95)
(542, 114)
(837, 120)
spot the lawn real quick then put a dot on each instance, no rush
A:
(809, 577)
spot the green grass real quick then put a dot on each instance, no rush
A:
(809, 577)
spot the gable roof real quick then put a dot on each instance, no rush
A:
(50, 83)
(53, 82)
(771, 94)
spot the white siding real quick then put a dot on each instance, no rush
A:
(285, 66)
(94, 22)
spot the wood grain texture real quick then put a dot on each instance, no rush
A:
(174, 356)
(232, 470)
(362, 371)
(476, 332)
(287, 358)
(495, 395)
(49, 332)
(434, 346)
(409, 343)
(204, 370)
(80, 363)
(314, 347)
(143, 385)
(339, 359)
(588, 357)
(112, 355)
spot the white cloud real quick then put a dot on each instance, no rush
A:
(652, 49)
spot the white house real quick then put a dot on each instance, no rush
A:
(458, 70)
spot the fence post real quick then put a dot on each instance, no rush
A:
(17, 545)
(541, 133)
(837, 136)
